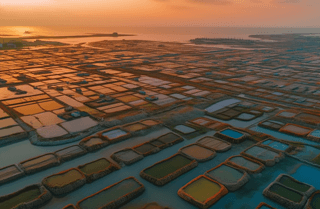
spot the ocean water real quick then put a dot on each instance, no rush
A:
(177, 34)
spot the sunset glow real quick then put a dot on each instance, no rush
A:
(270, 13)
(221, 13)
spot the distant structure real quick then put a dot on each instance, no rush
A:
(115, 34)
(1, 45)
(11, 45)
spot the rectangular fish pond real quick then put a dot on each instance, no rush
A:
(184, 129)
(202, 121)
(246, 117)
(168, 169)
(249, 165)
(202, 192)
(230, 177)
(170, 139)
(197, 152)
(115, 135)
(188, 130)
(146, 149)
(93, 143)
(134, 127)
(113, 196)
(28, 195)
(126, 156)
(214, 143)
(294, 184)
(276, 145)
(97, 169)
(231, 135)
(266, 155)
(39, 163)
(70, 152)
(286, 193)
(314, 135)
(272, 124)
(10, 173)
(296, 130)
(149, 122)
(65, 181)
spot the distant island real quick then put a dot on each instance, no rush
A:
(19, 42)
(275, 41)
(115, 34)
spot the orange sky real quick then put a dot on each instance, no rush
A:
(249, 13)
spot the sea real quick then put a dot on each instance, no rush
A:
(166, 34)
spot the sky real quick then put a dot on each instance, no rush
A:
(200, 13)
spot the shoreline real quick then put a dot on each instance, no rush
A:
(65, 37)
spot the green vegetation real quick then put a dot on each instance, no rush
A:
(286, 193)
(168, 166)
(202, 189)
(109, 195)
(62, 179)
(95, 166)
(285, 180)
(25, 196)
(145, 148)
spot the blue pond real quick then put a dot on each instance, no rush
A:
(232, 133)
(315, 133)
(276, 145)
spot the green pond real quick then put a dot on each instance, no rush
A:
(25, 196)
(62, 179)
(95, 166)
(285, 180)
(315, 202)
(168, 166)
(145, 148)
(107, 196)
(226, 174)
(202, 189)
(286, 193)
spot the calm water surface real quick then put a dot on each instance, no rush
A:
(179, 34)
